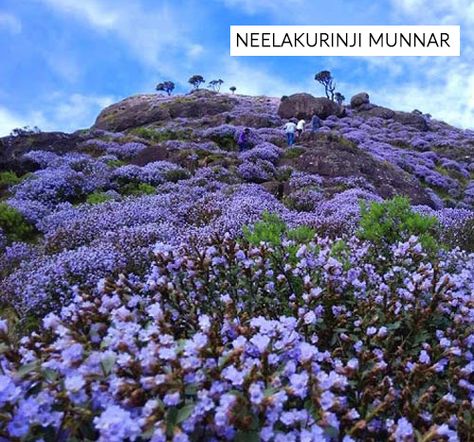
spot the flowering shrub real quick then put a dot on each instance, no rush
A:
(237, 341)
(263, 151)
(257, 171)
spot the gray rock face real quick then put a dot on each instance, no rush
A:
(411, 119)
(331, 157)
(13, 148)
(305, 105)
(360, 99)
(149, 108)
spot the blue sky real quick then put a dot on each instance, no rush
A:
(64, 60)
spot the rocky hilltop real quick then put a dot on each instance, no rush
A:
(173, 288)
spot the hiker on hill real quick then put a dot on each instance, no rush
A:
(315, 123)
(290, 129)
(244, 140)
(300, 127)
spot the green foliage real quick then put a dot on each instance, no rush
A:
(302, 234)
(272, 229)
(269, 230)
(175, 175)
(196, 81)
(97, 198)
(159, 135)
(14, 225)
(166, 86)
(138, 189)
(116, 163)
(9, 178)
(394, 220)
(294, 152)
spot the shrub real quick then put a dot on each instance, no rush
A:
(98, 198)
(294, 152)
(116, 163)
(175, 175)
(137, 189)
(389, 222)
(13, 225)
(271, 229)
(9, 178)
(234, 341)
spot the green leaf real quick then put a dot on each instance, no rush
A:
(270, 391)
(247, 436)
(50, 375)
(184, 413)
(108, 363)
(27, 368)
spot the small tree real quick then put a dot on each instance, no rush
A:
(216, 85)
(339, 98)
(233, 89)
(325, 78)
(196, 81)
(166, 86)
(25, 131)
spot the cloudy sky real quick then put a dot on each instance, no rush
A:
(62, 61)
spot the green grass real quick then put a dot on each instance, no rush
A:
(293, 152)
(157, 136)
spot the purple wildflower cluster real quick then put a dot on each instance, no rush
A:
(157, 325)
(230, 341)
(125, 150)
(425, 154)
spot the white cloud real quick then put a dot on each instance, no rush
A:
(441, 86)
(60, 113)
(277, 7)
(10, 23)
(152, 34)
(98, 14)
(78, 110)
(9, 121)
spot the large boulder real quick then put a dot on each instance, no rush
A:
(305, 105)
(360, 99)
(150, 108)
(411, 119)
(371, 110)
(378, 111)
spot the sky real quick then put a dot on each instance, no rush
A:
(62, 61)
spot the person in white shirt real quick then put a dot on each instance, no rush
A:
(290, 129)
(300, 127)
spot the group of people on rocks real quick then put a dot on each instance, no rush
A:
(293, 130)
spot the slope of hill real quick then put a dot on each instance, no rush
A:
(117, 219)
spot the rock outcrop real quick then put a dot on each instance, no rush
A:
(360, 99)
(330, 157)
(150, 108)
(305, 105)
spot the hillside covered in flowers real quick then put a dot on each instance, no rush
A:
(158, 284)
